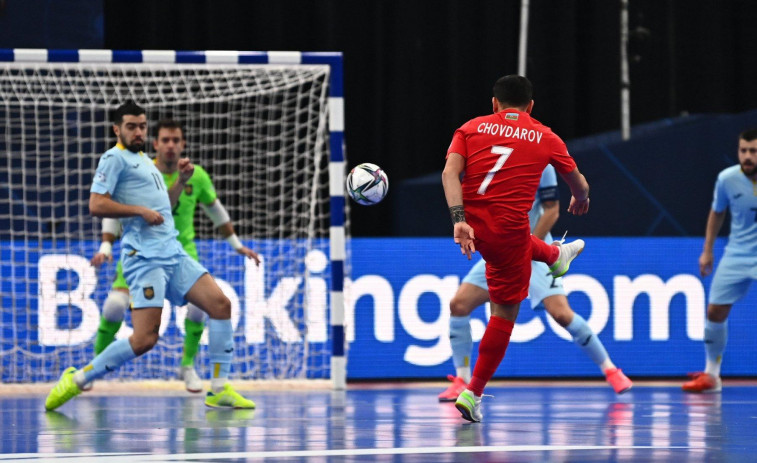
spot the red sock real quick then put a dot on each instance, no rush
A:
(543, 252)
(491, 351)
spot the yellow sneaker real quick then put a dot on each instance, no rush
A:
(228, 398)
(65, 390)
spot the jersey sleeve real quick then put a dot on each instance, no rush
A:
(207, 192)
(548, 185)
(560, 159)
(458, 143)
(719, 196)
(106, 176)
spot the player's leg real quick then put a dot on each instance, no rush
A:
(557, 256)
(557, 306)
(146, 280)
(194, 325)
(508, 285)
(202, 291)
(730, 283)
(472, 293)
(114, 310)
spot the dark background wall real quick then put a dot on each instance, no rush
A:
(416, 70)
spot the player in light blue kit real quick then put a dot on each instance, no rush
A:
(543, 290)
(735, 189)
(128, 186)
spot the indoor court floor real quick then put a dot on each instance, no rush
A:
(523, 422)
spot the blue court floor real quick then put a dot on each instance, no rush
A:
(522, 423)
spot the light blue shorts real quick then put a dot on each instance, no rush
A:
(152, 280)
(541, 286)
(732, 279)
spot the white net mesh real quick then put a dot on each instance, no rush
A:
(261, 131)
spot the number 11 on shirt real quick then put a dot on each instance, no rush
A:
(504, 153)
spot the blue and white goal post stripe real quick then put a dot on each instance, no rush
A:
(337, 235)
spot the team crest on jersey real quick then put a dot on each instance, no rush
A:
(511, 116)
(148, 292)
(188, 190)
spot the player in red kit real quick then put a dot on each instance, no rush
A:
(501, 158)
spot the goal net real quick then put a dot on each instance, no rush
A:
(262, 133)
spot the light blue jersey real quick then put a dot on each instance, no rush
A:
(132, 178)
(738, 266)
(737, 192)
(541, 285)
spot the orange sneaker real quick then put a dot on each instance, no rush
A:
(702, 382)
(454, 390)
(619, 382)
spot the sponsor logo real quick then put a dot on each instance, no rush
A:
(100, 176)
(148, 292)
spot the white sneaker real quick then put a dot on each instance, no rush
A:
(192, 381)
(87, 386)
(568, 252)
(469, 404)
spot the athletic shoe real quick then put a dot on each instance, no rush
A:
(192, 381)
(88, 386)
(470, 406)
(65, 389)
(618, 380)
(568, 252)
(703, 382)
(455, 389)
(228, 398)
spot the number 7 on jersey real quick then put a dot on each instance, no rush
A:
(504, 153)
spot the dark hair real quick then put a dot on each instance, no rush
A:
(513, 90)
(748, 135)
(129, 108)
(167, 124)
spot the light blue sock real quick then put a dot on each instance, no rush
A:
(715, 339)
(585, 338)
(111, 359)
(220, 348)
(461, 340)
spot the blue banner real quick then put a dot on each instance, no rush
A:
(643, 297)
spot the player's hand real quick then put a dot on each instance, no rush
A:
(250, 254)
(464, 236)
(152, 217)
(99, 258)
(186, 169)
(578, 207)
(705, 263)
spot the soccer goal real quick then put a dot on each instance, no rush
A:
(267, 126)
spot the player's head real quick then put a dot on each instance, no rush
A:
(168, 141)
(748, 152)
(513, 91)
(130, 126)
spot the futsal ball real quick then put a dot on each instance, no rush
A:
(367, 184)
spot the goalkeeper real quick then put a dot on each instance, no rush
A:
(169, 143)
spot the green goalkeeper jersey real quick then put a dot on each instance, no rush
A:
(200, 189)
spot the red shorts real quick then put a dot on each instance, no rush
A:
(508, 270)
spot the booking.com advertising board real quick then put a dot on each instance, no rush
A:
(642, 296)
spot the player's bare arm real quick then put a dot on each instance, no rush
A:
(221, 220)
(111, 229)
(579, 189)
(714, 223)
(103, 206)
(186, 169)
(453, 191)
(547, 220)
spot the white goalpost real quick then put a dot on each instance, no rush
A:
(267, 126)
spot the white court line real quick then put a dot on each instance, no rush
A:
(140, 457)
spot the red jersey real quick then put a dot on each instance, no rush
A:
(505, 155)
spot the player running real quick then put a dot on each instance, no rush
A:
(169, 144)
(127, 185)
(503, 156)
(544, 289)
